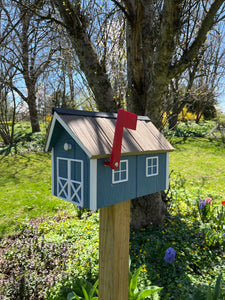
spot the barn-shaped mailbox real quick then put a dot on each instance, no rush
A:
(81, 144)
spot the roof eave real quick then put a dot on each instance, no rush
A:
(48, 146)
(100, 156)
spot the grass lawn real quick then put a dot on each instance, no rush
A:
(25, 190)
(51, 258)
(201, 163)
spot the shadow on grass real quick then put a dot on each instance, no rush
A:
(14, 167)
(188, 275)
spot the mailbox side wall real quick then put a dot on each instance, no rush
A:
(137, 185)
(152, 184)
(109, 193)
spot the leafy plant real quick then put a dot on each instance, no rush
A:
(191, 129)
(84, 291)
(135, 293)
(210, 294)
(217, 292)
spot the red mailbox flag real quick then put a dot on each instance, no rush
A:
(127, 120)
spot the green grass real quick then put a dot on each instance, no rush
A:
(202, 164)
(25, 190)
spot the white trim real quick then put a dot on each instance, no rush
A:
(167, 170)
(119, 171)
(64, 125)
(50, 133)
(53, 170)
(147, 166)
(93, 184)
(64, 183)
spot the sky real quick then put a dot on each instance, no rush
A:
(221, 101)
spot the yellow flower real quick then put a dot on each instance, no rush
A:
(180, 285)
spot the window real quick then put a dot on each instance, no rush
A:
(152, 166)
(121, 174)
(70, 180)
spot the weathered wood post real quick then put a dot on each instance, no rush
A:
(114, 251)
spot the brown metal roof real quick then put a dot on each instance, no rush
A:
(95, 131)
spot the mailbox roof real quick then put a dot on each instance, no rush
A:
(94, 132)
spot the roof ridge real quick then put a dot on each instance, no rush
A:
(86, 113)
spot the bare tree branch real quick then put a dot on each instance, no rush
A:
(94, 72)
(191, 53)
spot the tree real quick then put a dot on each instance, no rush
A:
(197, 88)
(7, 115)
(7, 96)
(153, 31)
(30, 50)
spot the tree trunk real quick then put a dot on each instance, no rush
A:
(7, 140)
(33, 112)
(147, 210)
(140, 52)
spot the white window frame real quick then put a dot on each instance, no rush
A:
(151, 166)
(72, 191)
(119, 171)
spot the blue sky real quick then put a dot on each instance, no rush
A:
(221, 101)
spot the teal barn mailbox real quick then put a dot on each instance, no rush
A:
(87, 173)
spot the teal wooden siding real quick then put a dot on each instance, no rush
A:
(109, 193)
(152, 184)
(137, 185)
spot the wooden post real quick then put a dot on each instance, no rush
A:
(114, 235)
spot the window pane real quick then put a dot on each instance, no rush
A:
(123, 165)
(116, 176)
(155, 170)
(123, 175)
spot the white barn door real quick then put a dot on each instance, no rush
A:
(70, 180)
